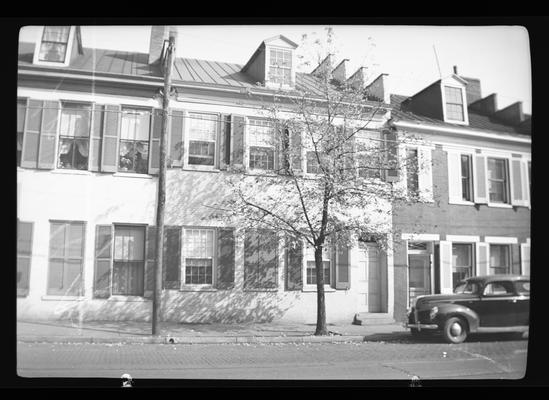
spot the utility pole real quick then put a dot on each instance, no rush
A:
(161, 199)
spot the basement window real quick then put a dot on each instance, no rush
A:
(53, 47)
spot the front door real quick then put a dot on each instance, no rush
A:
(369, 280)
(419, 275)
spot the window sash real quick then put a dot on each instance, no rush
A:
(75, 120)
(311, 272)
(73, 153)
(198, 271)
(129, 243)
(454, 103)
(201, 152)
(135, 124)
(128, 278)
(497, 180)
(466, 177)
(198, 255)
(500, 259)
(53, 52)
(133, 156)
(203, 127)
(261, 158)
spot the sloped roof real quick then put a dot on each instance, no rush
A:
(476, 121)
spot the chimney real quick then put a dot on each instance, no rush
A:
(159, 33)
(378, 90)
(340, 72)
(358, 79)
(512, 114)
(485, 106)
(455, 70)
(324, 68)
(472, 90)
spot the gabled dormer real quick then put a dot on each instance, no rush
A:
(445, 100)
(57, 45)
(273, 63)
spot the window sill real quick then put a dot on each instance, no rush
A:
(327, 289)
(62, 298)
(461, 203)
(131, 175)
(71, 171)
(500, 205)
(121, 298)
(199, 168)
(261, 290)
(190, 288)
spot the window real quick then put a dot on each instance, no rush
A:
(497, 180)
(262, 148)
(313, 167)
(500, 259)
(466, 177)
(129, 260)
(369, 155)
(412, 170)
(74, 136)
(454, 103)
(54, 43)
(202, 138)
(21, 111)
(66, 258)
(462, 262)
(24, 256)
(523, 287)
(198, 253)
(498, 289)
(134, 141)
(417, 245)
(311, 265)
(280, 66)
(260, 259)
(467, 288)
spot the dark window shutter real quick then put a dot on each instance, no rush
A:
(225, 142)
(96, 134)
(31, 137)
(172, 257)
(238, 124)
(109, 154)
(225, 258)
(295, 150)
(342, 280)
(294, 265)
(24, 256)
(391, 149)
(177, 124)
(48, 135)
(515, 259)
(154, 137)
(150, 264)
(260, 259)
(103, 261)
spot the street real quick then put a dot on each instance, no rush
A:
(504, 358)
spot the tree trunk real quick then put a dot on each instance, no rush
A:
(320, 300)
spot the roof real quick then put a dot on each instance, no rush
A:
(189, 70)
(476, 121)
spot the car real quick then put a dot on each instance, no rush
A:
(481, 304)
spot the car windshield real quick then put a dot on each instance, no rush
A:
(523, 287)
(467, 288)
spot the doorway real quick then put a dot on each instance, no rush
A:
(370, 279)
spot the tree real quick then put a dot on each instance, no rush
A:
(327, 162)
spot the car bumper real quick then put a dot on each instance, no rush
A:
(421, 326)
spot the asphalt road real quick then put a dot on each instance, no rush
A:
(402, 360)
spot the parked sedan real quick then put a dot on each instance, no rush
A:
(494, 303)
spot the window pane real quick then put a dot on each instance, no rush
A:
(56, 34)
(496, 168)
(461, 255)
(55, 277)
(203, 127)
(72, 277)
(198, 271)
(262, 158)
(129, 243)
(52, 52)
(201, 153)
(75, 120)
(198, 243)
(128, 278)
(499, 258)
(76, 240)
(57, 240)
(135, 124)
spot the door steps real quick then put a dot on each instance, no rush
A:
(366, 318)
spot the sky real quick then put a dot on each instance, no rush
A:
(413, 56)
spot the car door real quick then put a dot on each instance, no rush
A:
(522, 304)
(497, 305)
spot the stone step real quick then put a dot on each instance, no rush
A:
(373, 319)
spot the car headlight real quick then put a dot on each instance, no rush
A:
(433, 313)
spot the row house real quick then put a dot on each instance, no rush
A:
(88, 133)
(475, 219)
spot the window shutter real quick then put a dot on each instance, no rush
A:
(225, 258)
(150, 264)
(515, 258)
(177, 123)
(109, 154)
(103, 261)
(294, 265)
(48, 135)
(225, 142)
(24, 256)
(482, 258)
(154, 141)
(525, 258)
(446, 284)
(295, 150)
(480, 178)
(349, 157)
(172, 257)
(31, 136)
(425, 176)
(517, 196)
(238, 125)
(525, 185)
(392, 161)
(454, 178)
(343, 279)
(96, 134)
(268, 259)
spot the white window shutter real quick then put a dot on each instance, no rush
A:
(525, 258)
(480, 179)
(517, 195)
(425, 176)
(446, 285)
(454, 178)
(525, 186)
(482, 251)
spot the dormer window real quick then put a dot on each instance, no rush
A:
(454, 103)
(280, 66)
(54, 44)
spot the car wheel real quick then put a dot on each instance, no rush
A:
(455, 330)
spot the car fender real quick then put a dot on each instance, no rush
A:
(449, 309)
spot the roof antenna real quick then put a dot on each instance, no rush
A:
(438, 65)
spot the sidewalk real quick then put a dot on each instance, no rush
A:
(140, 332)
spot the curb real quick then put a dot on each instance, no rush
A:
(192, 340)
